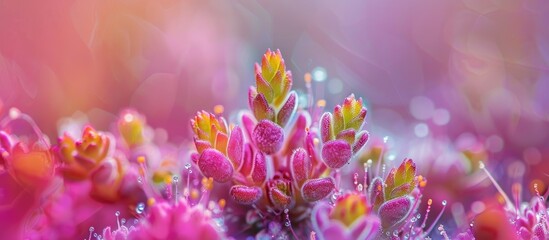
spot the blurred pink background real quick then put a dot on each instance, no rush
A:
(469, 66)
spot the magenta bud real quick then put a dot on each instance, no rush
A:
(300, 166)
(336, 153)
(268, 136)
(245, 195)
(213, 164)
(394, 211)
(316, 189)
(235, 146)
(259, 172)
(279, 199)
(287, 110)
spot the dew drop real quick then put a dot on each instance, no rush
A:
(95, 235)
(286, 211)
(139, 208)
(92, 229)
(123, 221)
(175, 178)
(187, 166)
(139, 180)
(117, 213)
(444, 202)
(360, 187)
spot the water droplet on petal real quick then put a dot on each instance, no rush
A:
(139, 208)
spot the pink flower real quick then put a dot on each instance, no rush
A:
(350, 218)
(175, 221)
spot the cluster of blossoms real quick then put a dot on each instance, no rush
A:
(277, 172)
(278, 161)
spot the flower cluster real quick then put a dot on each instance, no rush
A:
(273, 158)
(278, 171)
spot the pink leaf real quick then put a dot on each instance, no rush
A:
(279, 199)
(287, 110)
(261, 108)
(316, 189)
(268, 136)
(300, 166)
(213, 164)
(247, 160)
(348, 135)
(259, 172)
(326, 127)
(360, 141)
(235, 147)
(245, 195)
(394, 211)
(201, 145)
(336, 153)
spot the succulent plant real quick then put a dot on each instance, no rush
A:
(341, 132)
(272, 103)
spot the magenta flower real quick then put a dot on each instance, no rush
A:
(384, 209)
(171, 221)
(351, 217)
